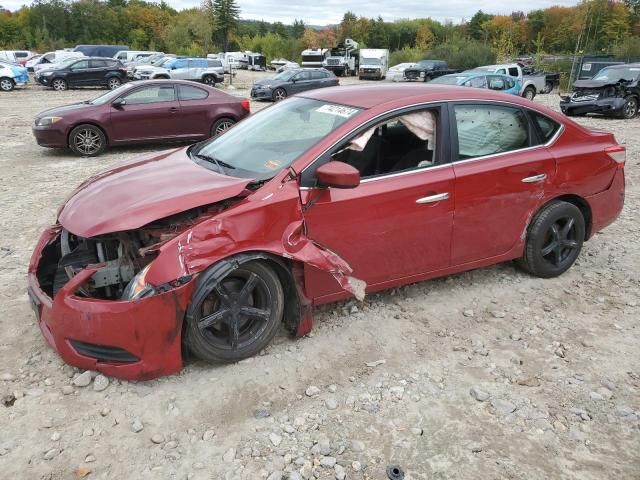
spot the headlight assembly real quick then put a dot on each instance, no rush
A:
(138, 286)
(47, 121)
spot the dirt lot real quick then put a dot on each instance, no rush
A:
(488, 374)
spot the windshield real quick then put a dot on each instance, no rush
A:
(285, 75)
(449, 79)
(269, 141)
(370, 61)
(610, 74)
(112, 95)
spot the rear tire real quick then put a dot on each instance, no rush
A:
(235, 317)
(554, 240)
(529, 93)
(209, 80)
(221, 125)
(548, 87)
(6, 84)
(87, 141)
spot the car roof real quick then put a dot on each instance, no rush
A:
(625, 65)
(375, 95)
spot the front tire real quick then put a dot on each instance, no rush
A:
(630, 108)
(554, 240)
(6, 84)
(235, 317)
(59, 84)
(279, 94)
(529, 93)
(87, 141)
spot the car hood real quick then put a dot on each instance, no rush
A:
(140, 191)
(59, 111)
(592, 83)
(267, 81)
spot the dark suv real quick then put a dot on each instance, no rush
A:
(83, 72)
(426, 70)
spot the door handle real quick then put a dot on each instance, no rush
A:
(173, 110)
(433, 198)
(535, 178)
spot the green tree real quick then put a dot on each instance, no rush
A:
(347, 25)
(225, 15)
(475, 25)
(297, 29)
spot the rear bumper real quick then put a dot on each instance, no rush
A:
(606, 206)
(132, 340)
(603, 105)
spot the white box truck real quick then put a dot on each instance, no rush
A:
(374, 63)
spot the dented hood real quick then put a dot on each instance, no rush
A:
(143, 190)
(592, 84)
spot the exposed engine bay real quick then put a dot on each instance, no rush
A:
(121, 255)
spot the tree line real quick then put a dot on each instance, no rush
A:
(592, 26)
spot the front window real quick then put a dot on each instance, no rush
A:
(371, 61)
(628, 74)
(112, 95)
(426, 64)
(269, 141)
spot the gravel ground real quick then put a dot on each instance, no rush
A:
(490, 373)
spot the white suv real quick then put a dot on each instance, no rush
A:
(206, 70)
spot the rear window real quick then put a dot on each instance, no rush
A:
(548, 128)
(187, 92)
(214, 63)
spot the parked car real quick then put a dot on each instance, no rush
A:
(614, 91)
(330, 194)
(153, 111)
(126, 56)
(206, 70)
(396, 73)
(100, 50)
(531, 84)
(83, 72)
(287, 66)
(426, 70)
(51, 59)
(19, 57)
(292, 81)
(12, 75)
(499, 83)
(153, 61)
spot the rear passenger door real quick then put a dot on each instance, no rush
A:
(503, 172)
(97, 72)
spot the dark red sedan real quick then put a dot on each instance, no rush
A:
(334, 193)
(140, 112)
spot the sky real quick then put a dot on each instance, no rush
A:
(314, 12)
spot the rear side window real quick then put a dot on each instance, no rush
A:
(548, 128)
(513, 72)
(214, 63)
(317, 75)
(490, 129)
(187, 92)
(97, 64)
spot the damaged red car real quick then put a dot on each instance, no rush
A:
(331, 194)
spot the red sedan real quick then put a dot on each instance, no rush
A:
(332, 194)
(140, 112)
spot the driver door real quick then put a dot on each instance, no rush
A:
(79, 73)
(397, 224)
(300, 82)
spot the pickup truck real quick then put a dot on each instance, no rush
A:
(531, 84)
(426, 70)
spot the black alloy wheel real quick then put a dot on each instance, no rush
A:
(237, 316)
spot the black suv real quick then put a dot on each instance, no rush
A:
(426, 70)
(83, 72)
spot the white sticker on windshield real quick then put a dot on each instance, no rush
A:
(586, 67)
(634, 69)
(338, 110)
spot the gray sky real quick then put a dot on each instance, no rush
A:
(324, 12)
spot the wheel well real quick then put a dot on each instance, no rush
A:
(584, 208)
(106, 137)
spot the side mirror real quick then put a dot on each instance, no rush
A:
(337, 174)
(119, 102)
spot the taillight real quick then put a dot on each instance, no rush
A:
(246, 106)
(617, 153)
